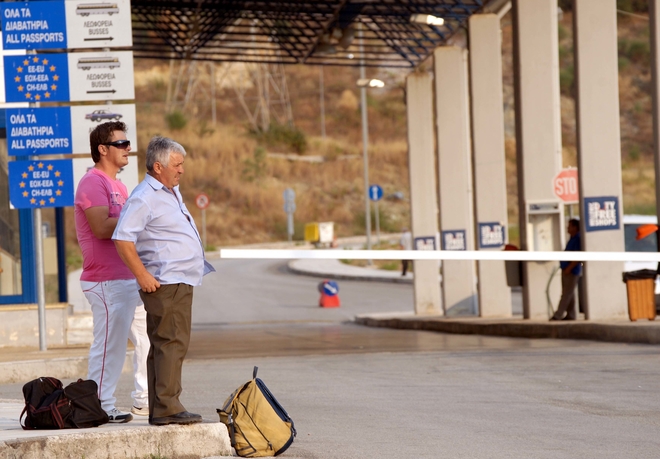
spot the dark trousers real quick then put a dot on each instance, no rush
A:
(404, 266)
(169, 316)
(567, 302)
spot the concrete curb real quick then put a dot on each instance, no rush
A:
(337, 275)
(641, 332)
(60, 368)
(173, 442)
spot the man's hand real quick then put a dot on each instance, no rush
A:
(569, 268)
(148, 283)
(128, 253)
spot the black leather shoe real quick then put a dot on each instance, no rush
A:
(180, 418)
(568, 318)
(554, 318)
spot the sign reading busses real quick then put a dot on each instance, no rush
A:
(69, 77)
(66, 24)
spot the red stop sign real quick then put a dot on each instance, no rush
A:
(565, 185)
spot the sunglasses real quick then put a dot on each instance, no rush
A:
(121, 144)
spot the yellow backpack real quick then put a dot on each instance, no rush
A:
(258, 425)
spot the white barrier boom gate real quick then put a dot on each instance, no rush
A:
(513, 255)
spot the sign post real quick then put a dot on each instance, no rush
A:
(376, 194)
(202, 201)
(289, 208)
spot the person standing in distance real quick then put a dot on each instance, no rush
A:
(405, 243)
(159, 242)
(109, 286)
(570, 275)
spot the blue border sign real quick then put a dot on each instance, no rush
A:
(37, 131)
(37, 78)
(424, 243)
(33, 25)
(454, 240)
(37, 184)
(491, 235)
(602, 213)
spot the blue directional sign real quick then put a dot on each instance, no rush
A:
(37, 78)
(33, 25)
(35, 131)
(330, 288)
(375, 193)
(36, 184)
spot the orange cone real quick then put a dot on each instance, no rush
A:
(329, 294)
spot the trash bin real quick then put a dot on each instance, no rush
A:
(513, 273)
(513, 269)
(640, 286)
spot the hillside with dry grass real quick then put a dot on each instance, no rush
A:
(245, 171)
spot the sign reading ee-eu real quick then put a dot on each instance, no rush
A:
(36, 184)
(66, 24)
(69, 77)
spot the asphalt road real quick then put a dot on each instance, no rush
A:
(358, 392)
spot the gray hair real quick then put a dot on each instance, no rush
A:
(159, 149)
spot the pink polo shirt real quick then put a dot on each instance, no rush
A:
(101, 261)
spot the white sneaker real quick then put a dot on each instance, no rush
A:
(114, 415)
(144, 411)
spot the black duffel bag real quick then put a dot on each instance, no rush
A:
(50, 406)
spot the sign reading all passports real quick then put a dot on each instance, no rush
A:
(49, 130)
(66, 24)
(69, 77)
(36, 184)
(32, 131)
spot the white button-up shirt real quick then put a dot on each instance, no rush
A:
(164, 233)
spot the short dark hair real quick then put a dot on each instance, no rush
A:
(574, 222)
(102, 134)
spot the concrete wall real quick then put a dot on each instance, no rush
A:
(489, 160)
(454, 177)
(19, 325)
(423, 191)
(599, 153)
(538, 141)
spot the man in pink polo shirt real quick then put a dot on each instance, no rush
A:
(108, 284)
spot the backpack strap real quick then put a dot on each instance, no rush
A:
(254, 372)
(55, 411)
(25, 426)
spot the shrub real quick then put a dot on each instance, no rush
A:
(176, 120)
(567, 80)
(254, 168)
(634, 153)
(639, 51)
(282, 136)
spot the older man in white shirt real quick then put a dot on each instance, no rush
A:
(157, 239)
